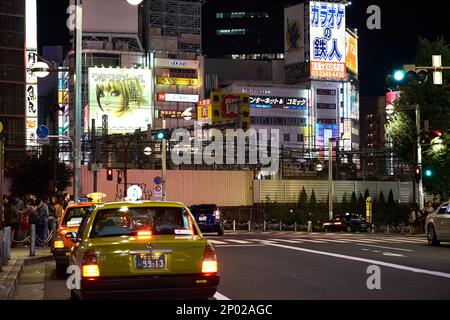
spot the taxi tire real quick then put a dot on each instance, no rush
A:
(431, 236)
(61, 270)
(73, 295)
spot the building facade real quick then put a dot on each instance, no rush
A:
(12, 76)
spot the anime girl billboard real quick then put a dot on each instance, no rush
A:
(124, 95)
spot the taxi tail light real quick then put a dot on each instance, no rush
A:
(217, 214)
(89, 265)
(144, 234)
(209, 264)
(58, 244)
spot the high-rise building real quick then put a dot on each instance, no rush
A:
(12, 76)
(250, 29)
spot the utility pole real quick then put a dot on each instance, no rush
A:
(419, 157)
(330, 178)
(164, 161)
(94, 166)
(2, 160)
(78, 97)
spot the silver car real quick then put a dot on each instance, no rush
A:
(437, 225)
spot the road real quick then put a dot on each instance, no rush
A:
(297, 266)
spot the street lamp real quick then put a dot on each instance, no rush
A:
(78, 88)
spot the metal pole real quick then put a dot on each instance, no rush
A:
(7, 240)
(125, 167)
(164, 162)
(33, 240)
(78, 102)
(1, 250)
(1, 176)
(94, 156)
(249, 225)
(264, 226)
(419, 158)
(234, 225)
(330, 178)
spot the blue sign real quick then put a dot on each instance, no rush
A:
(42, 132)
(157, 180)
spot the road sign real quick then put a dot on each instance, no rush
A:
(134, 193)
(157, 180)
(148, 151)
(158, 192)
(42, 131)
(43, 140)
(319, 167)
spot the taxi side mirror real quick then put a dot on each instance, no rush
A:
(71, 236)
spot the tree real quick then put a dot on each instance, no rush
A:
(354, 203)
(361, 204)
(344, 202)
(33, 174)
(434, 102)
(302, 206)
(381, 200)
(366, 194)
(313, 209)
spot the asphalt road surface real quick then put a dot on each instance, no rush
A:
(297, 266)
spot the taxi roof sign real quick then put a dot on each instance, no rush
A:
(96, 196)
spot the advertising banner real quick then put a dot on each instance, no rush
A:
(204, 111)
(176, 64)
(327, 40)
(231, 107)
(124, 95)
(294, 39)
(174, 97)
(352, 53)
(189, 82)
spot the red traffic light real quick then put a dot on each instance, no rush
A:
(438, 133)
(109, 174)
(417, 171)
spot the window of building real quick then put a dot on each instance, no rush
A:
(287, 137)
(299, 137)
(238, 14)
(326, 106)
(326, 121)
(326, 92)
(219, 15)
(227, 32)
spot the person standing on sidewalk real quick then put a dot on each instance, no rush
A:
(41, 222)
(12, 216)
(412, 219)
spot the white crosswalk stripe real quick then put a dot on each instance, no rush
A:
(313, 241)
(286, 240)
(239, 241)
(216, 241)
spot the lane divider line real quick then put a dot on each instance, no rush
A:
(220, 296)
(369, 261)
(382, 247)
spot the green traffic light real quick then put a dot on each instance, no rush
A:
(428, 173)
(399, 75)
(160, 135)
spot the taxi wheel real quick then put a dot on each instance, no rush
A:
(431, 236)
(61, 270)
(73, 295)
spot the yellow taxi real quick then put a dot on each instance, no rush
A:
(143, 249)
(69, 222)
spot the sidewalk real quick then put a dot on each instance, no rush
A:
(9, 276)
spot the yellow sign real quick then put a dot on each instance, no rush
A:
(204, 111)
(96, 197)
(190, 82)
(1, 127)
(231, 107)
(351, 45)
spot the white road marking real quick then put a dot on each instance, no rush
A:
(369, 261)
(390, 254)
(220, 296)
(286, 240)
(239, 245)
(404, 240)
(216, 241)
(313, 241)
(336, 240)
(239, 241)
(390, 248)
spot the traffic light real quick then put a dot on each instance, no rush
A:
(109, 174)
(428, 172)
(406, 75)
(418, 173)
(162, 134)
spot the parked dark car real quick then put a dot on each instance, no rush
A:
(348, 223)
(209, 218)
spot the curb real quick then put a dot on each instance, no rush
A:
(13, 277)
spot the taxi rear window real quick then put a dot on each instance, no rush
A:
(129, 221)
(74, 216)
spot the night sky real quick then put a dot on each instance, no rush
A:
(380, 51)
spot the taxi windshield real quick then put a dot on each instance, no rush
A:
(129, 221)
(74, 216)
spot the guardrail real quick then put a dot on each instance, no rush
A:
(266, 226)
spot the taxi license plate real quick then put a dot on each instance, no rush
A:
(202, 218)
(150, 262)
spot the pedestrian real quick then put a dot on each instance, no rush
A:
(41, 221)
(66, 200)
(435, 203)
(27, 216)
(20, 203)
(51, 212)
(412, 219)
(12, 216)
(58, 209)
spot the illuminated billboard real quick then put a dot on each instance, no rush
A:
(352, 53)
(175, 97)
(294, 34)
(231, 107)
(327, 40)
(188, 82)
(124, 95)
